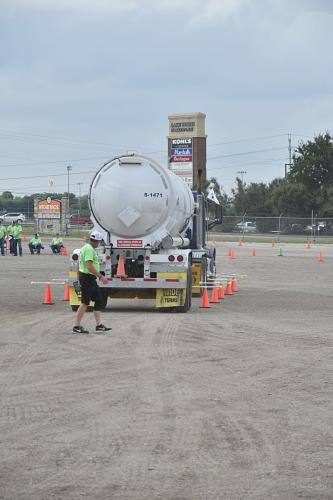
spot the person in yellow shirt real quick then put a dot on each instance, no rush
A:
(17, 235)
(35, 244)
(3, 232)
(57, 243)
(87, 275)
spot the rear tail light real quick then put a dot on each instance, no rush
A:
(75, 256)
(171, 258)
(180, 258)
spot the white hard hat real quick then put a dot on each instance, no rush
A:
(96, 235)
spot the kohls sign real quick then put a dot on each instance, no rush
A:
(181, 142)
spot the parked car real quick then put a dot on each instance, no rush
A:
(11, 217)
(246, 227)
(78, 220)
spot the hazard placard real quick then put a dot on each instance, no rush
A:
(129, 243)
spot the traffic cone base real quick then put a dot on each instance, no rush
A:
(229, 289)
(66, 294)
(121, 268)
(204, 300)
(214, 299)
(234, 285)
(48, 296)
(221, 292)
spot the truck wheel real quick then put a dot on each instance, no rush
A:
(74, 308)
(188, 301)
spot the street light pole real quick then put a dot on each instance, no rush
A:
(242, 172)
(79, 184)
(69, 168)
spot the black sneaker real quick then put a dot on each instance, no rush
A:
(102, 328)
(79, 329)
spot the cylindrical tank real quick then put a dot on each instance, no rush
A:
(134, 197)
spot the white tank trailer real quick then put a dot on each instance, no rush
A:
(135, 198)
(154, 231)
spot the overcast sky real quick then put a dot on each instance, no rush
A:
(83, 80)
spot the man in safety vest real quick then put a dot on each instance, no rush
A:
(35, 244)
(57, 244)
(17, 234)
(10, 233)
(87, 276)
(3, 232)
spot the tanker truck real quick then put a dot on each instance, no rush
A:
(155, 234)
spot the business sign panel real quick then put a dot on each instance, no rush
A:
(181, 159)
(181, 152)
(49, 209)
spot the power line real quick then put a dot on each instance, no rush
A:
(47, 176)
(246, 153)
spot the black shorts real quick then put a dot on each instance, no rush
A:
(90, 291)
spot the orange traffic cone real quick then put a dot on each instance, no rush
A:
(321, 257)
(66, 294)
(234, 285)
(254, 252)
(64, 251)
(214, 299)
(221, 292)
(229, 252)
(229, 288)
(48, 295)
(121, 268)
(204, 300)
(308, 245)
(273, 243)
(233, 256)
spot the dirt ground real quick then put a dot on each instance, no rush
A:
(232, 402)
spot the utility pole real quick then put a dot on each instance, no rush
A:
(79, 184)
(242, 173)
(69, 168)
(286, 165)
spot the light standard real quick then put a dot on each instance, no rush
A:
(242, 172)
(69, 168)
(79, 184)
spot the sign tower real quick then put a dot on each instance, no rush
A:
(187, 148)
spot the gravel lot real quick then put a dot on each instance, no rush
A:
(232, 402)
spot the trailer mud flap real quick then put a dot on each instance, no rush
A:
(170, 297)
(74, 292)
(196, 277)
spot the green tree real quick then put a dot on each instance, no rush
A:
(313, 163)
(290, 198)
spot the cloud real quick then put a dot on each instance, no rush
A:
(195, 9)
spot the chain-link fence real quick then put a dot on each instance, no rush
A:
(311, 226)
